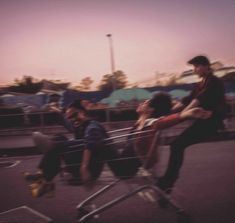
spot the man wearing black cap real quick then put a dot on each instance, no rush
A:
(208, 94)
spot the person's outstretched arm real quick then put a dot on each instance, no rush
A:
(84, 168)
(94, 140)
(171, 120)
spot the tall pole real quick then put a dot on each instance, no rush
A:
(112, 60)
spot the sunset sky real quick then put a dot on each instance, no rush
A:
(66, 39)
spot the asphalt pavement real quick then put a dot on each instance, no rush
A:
(206, 189)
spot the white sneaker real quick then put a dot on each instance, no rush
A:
(43, 142)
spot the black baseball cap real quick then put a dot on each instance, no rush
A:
(199, 60)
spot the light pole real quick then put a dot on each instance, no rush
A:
(112, 60)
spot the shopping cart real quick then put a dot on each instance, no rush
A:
(144, 182)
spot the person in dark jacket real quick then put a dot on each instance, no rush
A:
(207, 94)
(84, 162)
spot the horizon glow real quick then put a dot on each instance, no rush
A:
(66, 40)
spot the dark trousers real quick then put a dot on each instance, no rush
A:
(200, 130)
(124, 165)
(62, 151)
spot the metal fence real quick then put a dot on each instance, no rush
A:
(111, 117)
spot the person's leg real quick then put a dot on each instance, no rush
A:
(197, 132)
(50, 164)
(49, 167)
(72, 158)
(51, 160)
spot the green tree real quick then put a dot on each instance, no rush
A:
(26, 84)
(85, 84)
(110, 82)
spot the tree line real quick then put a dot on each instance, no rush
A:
(109, 82)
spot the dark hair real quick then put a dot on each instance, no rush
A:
(77, 105)
(54, 97)
(161, 103)
(199, 60)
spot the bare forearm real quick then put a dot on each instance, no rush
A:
(176, 118)
(167, 121)
(194, 103)
(84, 169)
(86, 158)
(177, 107)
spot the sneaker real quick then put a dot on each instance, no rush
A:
(42, 188)
(33, 176)
(42, 142)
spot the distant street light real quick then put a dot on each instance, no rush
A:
(112, 60)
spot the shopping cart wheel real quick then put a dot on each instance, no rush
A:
(183, 218)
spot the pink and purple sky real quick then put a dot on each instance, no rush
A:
(66, 39)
